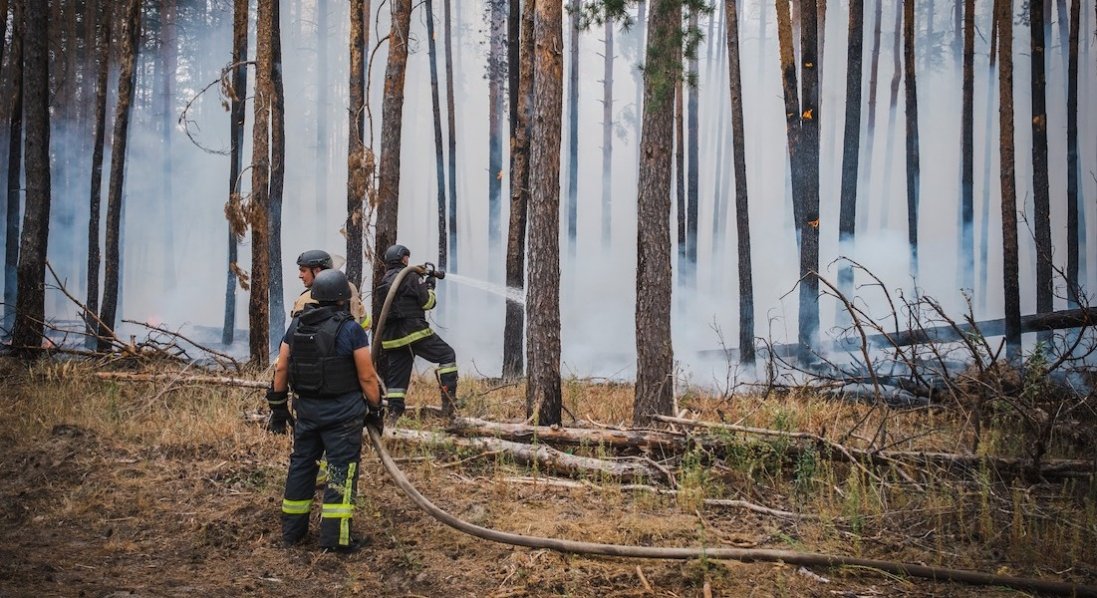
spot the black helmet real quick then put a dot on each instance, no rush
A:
(395, 255)
(315, 258)
(330, 285)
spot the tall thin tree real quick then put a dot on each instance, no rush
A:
(1040, 193)
(1004, 15)
(889, 144)
(808, 319)
(573, 123)
(967, 150)
(851, 140)
(680, 181)
(654, 350)
(693, 163)
(910, 88)
(237, 115)
(277, 178)
(870, 124)
(514, 329)
(451, 112)
(543, 398)
(259, 204)
(1074, 165)
(742, 211)
(988, 147)
(497, 76)
(102, 51)
(356, 150)
(131, 23)
(439, 142)
(607, 136)
(30, 303)
(15, 167)
(392, 116)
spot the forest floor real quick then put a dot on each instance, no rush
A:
(136, 490)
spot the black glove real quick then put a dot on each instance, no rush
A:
(280, 421)
(375, 416)
(431, 282)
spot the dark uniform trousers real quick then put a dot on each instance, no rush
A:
(333, 425)
(398, 366)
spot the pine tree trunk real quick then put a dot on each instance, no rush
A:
(3, 27)
(102, 51)
(896, 78)
(237, 116)
(277, 308)
(988, 147)
(958, 12)
(15, 168)
(543, 398)
(30, 300)
(851, 138)
(573, 125)
(680, 180)
(742, 212)
(451, 112)
(131, 21)
(259, 205)
(1040, 193)
(865, 174)
(1074, 166)
(322, 165)
(514, 328)
(439, 143)
(693, 175)
(356, 158)
(910, 88)
(497, 74)
(654, 351)
(392, 118)
(791, 90)
(967, 149)
(169, 54)
(607, 138)
(637, 70)
(1004, 14)
(808, 320)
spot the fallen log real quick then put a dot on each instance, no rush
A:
(544, 458)
(648, 440)
(192, 379)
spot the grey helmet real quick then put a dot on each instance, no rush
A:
(394, 255)
(315, 258)
(330, 285)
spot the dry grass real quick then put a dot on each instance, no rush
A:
(114, 487)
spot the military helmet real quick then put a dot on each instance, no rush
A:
(315, 258)
(330, 285)
(395, 254)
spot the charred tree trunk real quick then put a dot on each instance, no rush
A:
(322, 85)
(791, 90)
(277, 179)
(847, 219)
(356, 151)
(392, 119)
(573, 124)
(131, 21)
(439, 143)
(967, 149)
(497, 75)
(259, 205)
(607, 138)
(1040, 193)
(896, 78)
(543, 400)
(910, 88)
(654, 351)
(31, 298)
(808, 321)
(237, 116)
(1074, 166)
(15, 168)
(451, 219)
(693, 175)
(102, 51)
(1004, 14)
(742, 213)
(514, 330)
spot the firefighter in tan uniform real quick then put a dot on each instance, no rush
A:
(311, 263)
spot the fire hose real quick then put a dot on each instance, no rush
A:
(746, 555)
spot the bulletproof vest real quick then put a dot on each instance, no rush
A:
(314, 369)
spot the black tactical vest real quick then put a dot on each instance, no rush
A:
(314, 369)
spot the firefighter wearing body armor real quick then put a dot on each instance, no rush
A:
(311, 263)
(325, 359)
(407, 335)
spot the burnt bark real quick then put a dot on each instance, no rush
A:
(1012, 294)
(1040, 192)
(654, 351)
(439, 143)
(259, 204)
(392, 119)
(356, 151)
(847, 218)
(543, 399)
(31, 298)
(15, 169)
(277, 308)
(910, 88)
(742, 212)
(967, 151)
(102, 51)
(237, 115)
(1074, 166)
(791, 94)
(514, 330)
(131, 21)
(449, 258)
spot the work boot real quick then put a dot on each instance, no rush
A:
(393, 412)
(354, 546)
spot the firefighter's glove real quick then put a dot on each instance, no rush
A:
(280, 420)
(432, 282)
(375, 416)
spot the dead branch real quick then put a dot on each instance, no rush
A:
(176, 334)
(191, 379)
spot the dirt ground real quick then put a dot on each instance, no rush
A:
(114, 491)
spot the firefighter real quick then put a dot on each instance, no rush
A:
(408, 334)
(309, 264)
(325, 358)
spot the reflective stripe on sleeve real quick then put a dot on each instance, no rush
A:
(406, 340)
(431, 300)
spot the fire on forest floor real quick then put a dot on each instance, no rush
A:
(118, 489)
